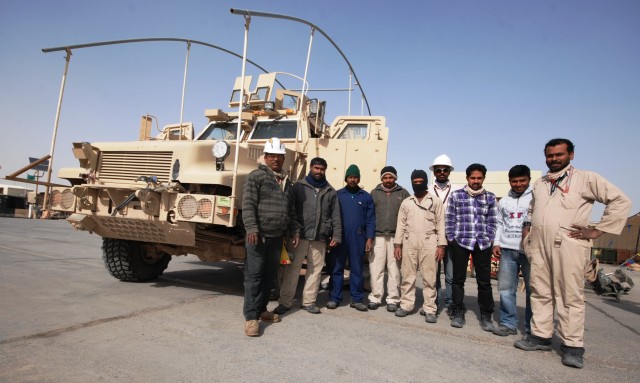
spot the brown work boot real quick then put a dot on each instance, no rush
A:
(251, 328)
(269, 316)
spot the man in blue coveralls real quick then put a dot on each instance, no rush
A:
(358, 231)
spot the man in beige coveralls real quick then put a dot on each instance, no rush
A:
(557, 241)
(420, 244)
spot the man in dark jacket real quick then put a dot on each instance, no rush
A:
(268, 214)
(358, 230)
(318, 213)
(387, 197)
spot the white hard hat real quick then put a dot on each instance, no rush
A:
(274, 146)
(442, 159)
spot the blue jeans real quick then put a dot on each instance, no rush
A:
(448, 277)
(512, 262)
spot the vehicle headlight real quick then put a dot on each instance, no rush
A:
(220, 150)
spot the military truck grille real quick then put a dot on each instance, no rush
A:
(127, 166)
(134, 229)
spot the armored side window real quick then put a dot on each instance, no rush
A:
(219, 131)
(290, 102)
(354, 132)
(260, 94)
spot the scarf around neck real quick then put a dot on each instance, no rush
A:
(473, 193)
(556, 176)
(321, 184)
(384, 189)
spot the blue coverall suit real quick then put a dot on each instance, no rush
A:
(358, 216)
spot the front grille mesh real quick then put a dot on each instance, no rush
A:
(127, 166)
(134, 229)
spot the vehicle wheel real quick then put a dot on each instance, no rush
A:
(128, 260)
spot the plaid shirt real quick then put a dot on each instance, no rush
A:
(470, 220)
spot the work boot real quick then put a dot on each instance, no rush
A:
(401, 313)
(502, 330)
(268, 316)
(392, 307)
(486, 323)
(373, 306)
(573, 356)
(358, 306)
(251, 328)
(331, 305)
(281, 309)
(533, 343)
(457, 317)
(450, 312)
(430, 318)
(312, 309)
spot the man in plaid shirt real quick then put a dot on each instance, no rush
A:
(470, 227)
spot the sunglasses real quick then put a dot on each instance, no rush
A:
(441, 170)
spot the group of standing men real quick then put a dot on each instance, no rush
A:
(540, 231)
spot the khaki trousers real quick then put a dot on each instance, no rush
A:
(314, 252)
(380, 258)
(557, 281)
(424, 258)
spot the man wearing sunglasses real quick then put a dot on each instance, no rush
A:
(442, 188)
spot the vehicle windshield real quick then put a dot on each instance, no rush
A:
(275, 128)
(220, 131)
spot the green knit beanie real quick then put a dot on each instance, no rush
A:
(352, 170)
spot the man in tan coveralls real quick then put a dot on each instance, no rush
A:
(420, 243)
(557, 241)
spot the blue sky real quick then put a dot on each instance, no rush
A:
(483, 81)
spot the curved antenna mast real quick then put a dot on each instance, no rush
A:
(314, 27)
(144, 40)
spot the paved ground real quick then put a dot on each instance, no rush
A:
(63, 318)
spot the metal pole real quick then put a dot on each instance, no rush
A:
(184, 86)
(45, 203)
(234, 180)
(350, 81)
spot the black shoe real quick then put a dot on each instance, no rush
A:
(281, 309)
(502, 330)
(313, 309)
(358, 306)
(533, 343)
(450, 312)
(332, 305)
(457, 317)
(422, 312)
(392, 307)
(486, 323)
(400, 312)
(372, 306)
(573, 356)
(430, 318)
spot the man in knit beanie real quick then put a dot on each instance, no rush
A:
(387, 197)
(358, 230)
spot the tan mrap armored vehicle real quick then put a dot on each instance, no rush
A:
(176, 194)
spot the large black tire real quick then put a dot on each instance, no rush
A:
(127, 261)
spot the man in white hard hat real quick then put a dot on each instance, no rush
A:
(442, 188)
(268, 214)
